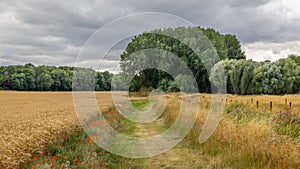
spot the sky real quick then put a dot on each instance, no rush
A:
(54, 32)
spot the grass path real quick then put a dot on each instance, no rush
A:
(181, 156)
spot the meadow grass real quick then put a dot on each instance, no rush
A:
(246, 137)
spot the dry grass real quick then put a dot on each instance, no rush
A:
(246, 144)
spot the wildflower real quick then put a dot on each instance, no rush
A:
(35, 157)
(75, 160)
(54, 158)
(79, 142)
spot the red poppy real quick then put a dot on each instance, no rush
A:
(54, 158)
(35, 157)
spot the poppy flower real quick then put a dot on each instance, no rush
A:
(35, 157)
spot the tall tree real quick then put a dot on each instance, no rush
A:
(44, 82)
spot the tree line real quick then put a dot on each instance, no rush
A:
(250, 77)
(241, 76)
(47, 78)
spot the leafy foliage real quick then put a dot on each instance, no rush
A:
(46, 78)
(250, 77)
(227, 46)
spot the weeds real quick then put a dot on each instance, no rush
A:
(285, 122)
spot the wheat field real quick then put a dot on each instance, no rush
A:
(32, 120)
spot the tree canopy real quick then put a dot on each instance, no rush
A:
(241, 76)
(227, 47)
(48, 78)
(250, 77)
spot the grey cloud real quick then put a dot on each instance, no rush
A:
(53, 32)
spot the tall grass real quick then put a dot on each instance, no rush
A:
(245, 138)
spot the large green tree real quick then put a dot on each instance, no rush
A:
(227, 46)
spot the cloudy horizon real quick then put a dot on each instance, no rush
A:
(52, 33)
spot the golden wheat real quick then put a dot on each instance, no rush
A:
(32, 120)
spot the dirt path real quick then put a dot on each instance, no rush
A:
(181, 156)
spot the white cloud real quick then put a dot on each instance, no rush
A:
(261, 51)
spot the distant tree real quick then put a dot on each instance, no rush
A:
(118, 83)
(29, 79)
(84, 79)
(44, 82)
(288, 69)
(5, 80)
(247, 76)
(218, 77)
(61, 80)
(272, 79)
(17, 81)
(256, 85)
(236, 75)
(233, 47)
(295, 58)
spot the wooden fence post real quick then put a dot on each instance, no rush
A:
(257, 104)
(285, 101)
(271, 105)
(290, 105)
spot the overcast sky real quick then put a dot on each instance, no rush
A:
(53, 32)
